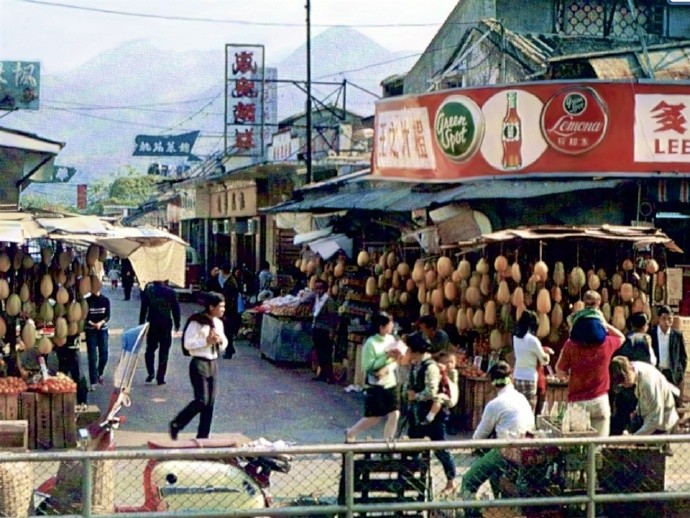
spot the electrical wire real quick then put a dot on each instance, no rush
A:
(225, 21)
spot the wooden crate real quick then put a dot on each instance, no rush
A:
(475, 394)
(9, 407)
(556, 392)
(14, 435)
(52, 419)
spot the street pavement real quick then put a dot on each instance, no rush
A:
(255, 397)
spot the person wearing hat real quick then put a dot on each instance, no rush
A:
(637, 348)
(508, 415)
(422, 390)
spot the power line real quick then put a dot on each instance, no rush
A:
(224, 21)
(133, 106)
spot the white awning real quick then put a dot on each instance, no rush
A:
(327, 247)
(306, 237)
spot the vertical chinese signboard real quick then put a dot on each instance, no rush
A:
(19, 85)
(244, 100)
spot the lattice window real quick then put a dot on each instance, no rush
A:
(589, 18)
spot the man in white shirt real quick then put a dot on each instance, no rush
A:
(656, 406)
(508, 415)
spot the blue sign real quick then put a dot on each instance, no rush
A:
(19, 85)
(166, 145)
(63, 174)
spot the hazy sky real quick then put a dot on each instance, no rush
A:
(63, 34)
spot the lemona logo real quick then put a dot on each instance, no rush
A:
(459, 127)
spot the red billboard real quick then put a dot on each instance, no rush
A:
(548, 128)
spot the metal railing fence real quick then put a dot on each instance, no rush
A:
(530, 477)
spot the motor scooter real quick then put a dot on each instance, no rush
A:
(236, 482)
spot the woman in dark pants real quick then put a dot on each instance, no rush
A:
(203, 339)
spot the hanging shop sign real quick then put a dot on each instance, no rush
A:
(550, 128)
(244, 100)
(19, 85)
(166, 145)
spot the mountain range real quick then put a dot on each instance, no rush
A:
(99, 108)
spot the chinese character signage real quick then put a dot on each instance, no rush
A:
(19, 85)
(545, 128)
(244, 100)
(166, 145)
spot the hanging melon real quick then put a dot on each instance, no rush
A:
(604, 294)
(410, 285)
(404, 298)
(475, 279)
(339, 269)
(506, 316)
(17, 260)
(28, 334)
(421, 294)
(519, 310)
(72, 328)
(24, 292)
(59, 310)
(464, 269)
(450, 291)
(46, 255)
(45, 346)
(444, 267)
(500, 263)
(384, 301)
(643, 283)
(46, 286)
(478, 318)
(544, 325)
(473, 296)
(518, 297)
(3, 329)
(388, 273)
(556, 316)
(461, 321)
(606, 311)
(64, 260)
(430, 278)
(626, 292)
(396, 280)
(92, 255)
(531, 286)
(541, 270)
(490, 313)
(418, 271)
(544, 301)
(391, 260)
(403, 269)
(5, 263)
(556, 294)
(45, 313)
(4, 289)
(495, 340)
(616, 281)
(60, 328)
(593, 281)
(27, 262)
(370, 287)
(424, 310)
(503, 293)
(485, 284)
(559, 273)
(74, 312)
(515, 272)
(451, 313)
(482, 266)
(437, 299)
(652, 266)
(618, 319)
(470, 317)
(362, 258)
(554, 335)
(577, 278)
(628, 265)
(638, 305)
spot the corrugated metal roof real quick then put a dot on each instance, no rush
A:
(404, 197)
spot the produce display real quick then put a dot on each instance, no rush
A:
(287, 305)
(59, 384)
(12, 385)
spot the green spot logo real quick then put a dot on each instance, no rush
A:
(459, 127)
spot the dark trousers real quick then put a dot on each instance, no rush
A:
(202, 374)
(127, 287)
(97, 349)
(323, 345)
(68, 363)
(231, 324)
(436, 431)
(158, 338)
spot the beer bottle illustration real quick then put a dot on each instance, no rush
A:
(512, 135)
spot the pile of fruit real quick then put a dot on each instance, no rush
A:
(12, 385)
(59, 384)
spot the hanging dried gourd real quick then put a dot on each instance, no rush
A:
(628, 265)
(59, 310)
(92, 255)
(24, 293)
(450, 291)
(577, 278)
(485, 284)
(626, 292)
(424, 310)
(4, 289)
(531, 285)
(451, 313)
(554, 335)
(495, 340)
(490, 313)
(559, 273)
(461, 322)
(339, 269)
(391, 260)
(616, 281)
(27, 262)
(482, 266)
(403, 269)
(604, 294)
(556, 316)
(3, 329)
(515, 272)
(470, 317)
(404, 298)
(45, 346)
(519, 310)
(544, 325)
(444, 267)
(437, 298)
(606, 311)
(28, 334)
(395, 280)
(556, 294)
(473, 296)
(46, 286)
(475, 279)
(541, 270)
(410, 285)
(618, 320)
(643, 283)
(652, 266)
(503, 293)
(518, 297)
(60, 327)
(478, 319)
(500, 263)
(421, 294)
(593, 281)
(5, 263)
(384, 301)
(418, 271)
(464, 269)
(544, 301)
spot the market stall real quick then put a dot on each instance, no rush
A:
(285, 329)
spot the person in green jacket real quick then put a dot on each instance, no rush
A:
(379, 355)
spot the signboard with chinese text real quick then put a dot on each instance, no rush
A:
(244, 100)
(549, 128)
(19, 85)
(166, 145)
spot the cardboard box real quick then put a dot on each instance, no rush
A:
(14, 435)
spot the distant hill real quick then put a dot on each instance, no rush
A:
(172, 92)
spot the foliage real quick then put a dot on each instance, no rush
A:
(36, 201)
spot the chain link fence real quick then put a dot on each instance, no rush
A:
(532, 478)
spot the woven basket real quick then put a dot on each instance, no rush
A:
(16, 488)
(103, 486)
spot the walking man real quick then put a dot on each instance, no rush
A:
(324, 326)
(203, 339)
(669, 348)
(159, 304)
(96, 330)
(127, 277)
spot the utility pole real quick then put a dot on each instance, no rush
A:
(309, 128)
